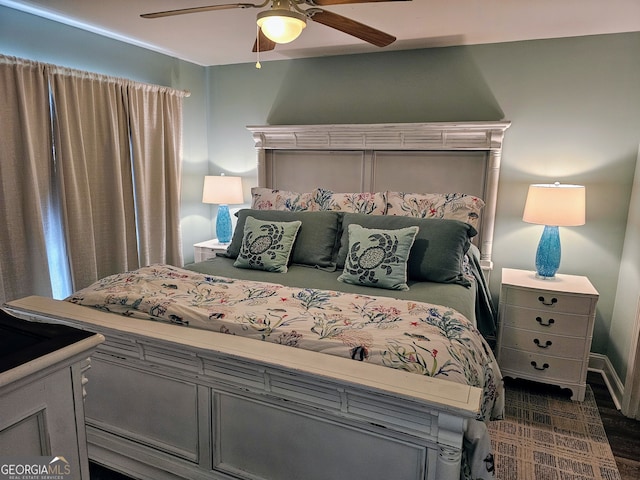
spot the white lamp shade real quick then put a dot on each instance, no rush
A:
(555, 205)
(222, 190)
(281, 26)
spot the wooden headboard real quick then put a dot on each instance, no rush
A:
(407, 157)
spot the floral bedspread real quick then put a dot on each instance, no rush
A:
(416, 337)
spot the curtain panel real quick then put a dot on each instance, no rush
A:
(157, 172)
(94, 157)
(91, 137)
(25, 179)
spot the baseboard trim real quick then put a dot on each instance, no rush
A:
(601, 364)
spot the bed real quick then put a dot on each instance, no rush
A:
(212, 388)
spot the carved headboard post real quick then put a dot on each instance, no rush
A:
(258, 139)
(489, 213)
(459, 157)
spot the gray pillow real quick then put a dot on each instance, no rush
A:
(438, 251)
(317, 238)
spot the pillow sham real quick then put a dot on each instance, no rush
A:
(371, 203)
(315, 243)
(453, 206)
(438, 251)
(378, 258)
(267, 245)
(268, 199)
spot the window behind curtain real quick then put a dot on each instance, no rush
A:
(54, 235)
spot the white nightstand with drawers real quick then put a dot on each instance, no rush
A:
(546, 328)
(208, 249)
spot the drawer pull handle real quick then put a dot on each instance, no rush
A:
(550, 322)
(553, 301)
(535, 365)
(547, 344)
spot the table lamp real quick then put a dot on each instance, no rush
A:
(222, 190)
(553, 205)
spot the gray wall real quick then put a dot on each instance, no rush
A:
(575, 111)
(574, 106)
(626, 310)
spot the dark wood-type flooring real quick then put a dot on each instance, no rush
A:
(623, 434)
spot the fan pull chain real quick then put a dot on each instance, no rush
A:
(258, 66)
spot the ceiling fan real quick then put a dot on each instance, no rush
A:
(285, 20)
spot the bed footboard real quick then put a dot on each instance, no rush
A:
(166, 401)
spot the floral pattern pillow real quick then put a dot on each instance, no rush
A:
(452, 206)
(268, 199)
(371, 203)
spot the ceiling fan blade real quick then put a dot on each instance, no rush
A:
(265, 43)
(351, 27)
(324, 3)
(183, 11)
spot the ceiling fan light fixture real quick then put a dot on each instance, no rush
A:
(281, 26)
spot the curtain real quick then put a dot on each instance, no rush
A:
(91, 137)
(157, 171)
(90, 174)
(25, 179)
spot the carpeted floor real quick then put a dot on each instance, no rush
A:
(548, 437)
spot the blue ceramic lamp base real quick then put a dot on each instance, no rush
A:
(548, 253)
(223, 224)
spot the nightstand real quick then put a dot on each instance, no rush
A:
(208, 249)
(545, 328)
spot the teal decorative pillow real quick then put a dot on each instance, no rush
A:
(267, 245)
(378, 258)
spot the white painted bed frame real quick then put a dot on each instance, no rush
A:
(166, 401)
(407, 157)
